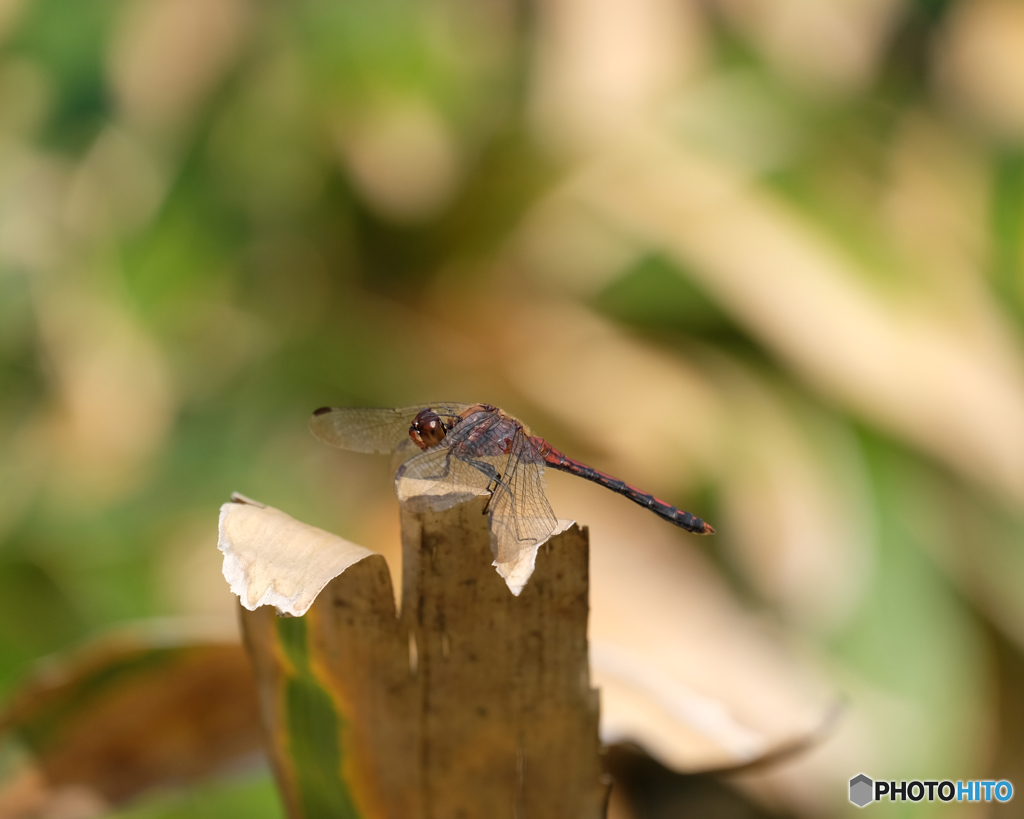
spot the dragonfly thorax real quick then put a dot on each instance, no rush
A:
(427, 429)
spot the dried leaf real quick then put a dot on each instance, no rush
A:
(271, 559)
(136, 711)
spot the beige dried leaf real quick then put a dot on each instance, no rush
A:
(272, 559)
(517, 572)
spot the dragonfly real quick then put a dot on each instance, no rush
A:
(449, 453)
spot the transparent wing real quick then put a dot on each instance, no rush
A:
(465, 464)
(363, 429)
(519, 512)
(439, 479)
(403, 452)
(484, 453)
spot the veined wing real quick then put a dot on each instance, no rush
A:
(438, 479)
(363, 429)
(519, 512)
(465, 464)
(403, 452)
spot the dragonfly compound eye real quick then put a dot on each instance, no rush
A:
(427, 429)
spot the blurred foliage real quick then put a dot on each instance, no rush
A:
(233, 797)
(217, 215)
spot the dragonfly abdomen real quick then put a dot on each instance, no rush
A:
(673, 514)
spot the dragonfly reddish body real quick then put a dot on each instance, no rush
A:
(452, 452)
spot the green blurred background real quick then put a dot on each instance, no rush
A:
(764, 258)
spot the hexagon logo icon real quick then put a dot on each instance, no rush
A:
(862, 790)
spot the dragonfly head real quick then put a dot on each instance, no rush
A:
(427, 429)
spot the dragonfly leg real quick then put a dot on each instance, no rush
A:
(493, 478)
(491, 487)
